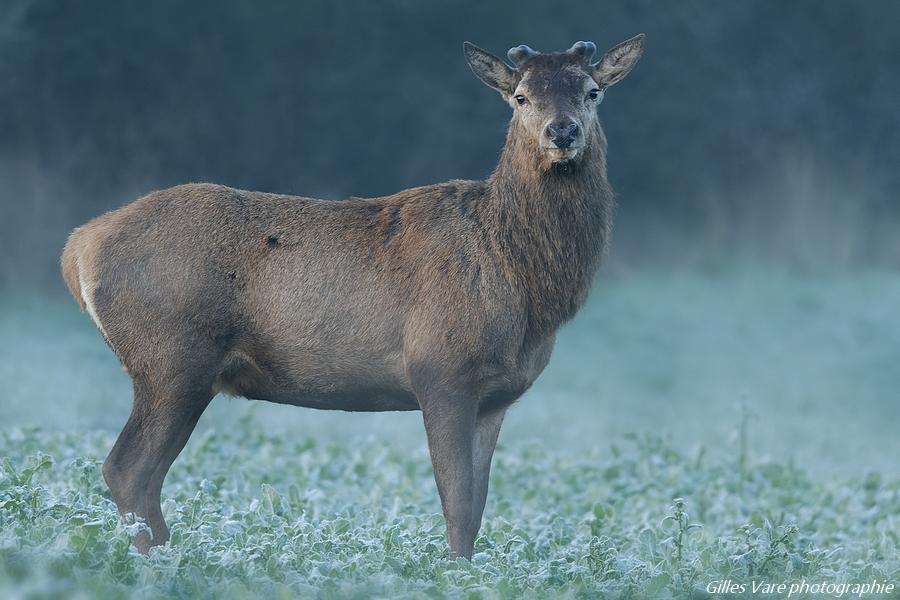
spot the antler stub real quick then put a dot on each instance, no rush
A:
(585, 49)
(520, 54)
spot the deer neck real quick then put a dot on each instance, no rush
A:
(552, 223)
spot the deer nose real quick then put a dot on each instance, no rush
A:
(562, 132)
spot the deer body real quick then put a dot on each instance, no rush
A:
(444, 298)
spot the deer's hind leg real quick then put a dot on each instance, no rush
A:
(167, 405)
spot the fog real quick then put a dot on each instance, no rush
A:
(754, 151)
(767, 127)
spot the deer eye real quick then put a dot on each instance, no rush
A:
(520, 99)
(594, 94)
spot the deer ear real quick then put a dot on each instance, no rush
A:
(492, 71)
(618, 61)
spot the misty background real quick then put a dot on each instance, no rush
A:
(754, 151)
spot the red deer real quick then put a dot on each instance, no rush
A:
(444, 298)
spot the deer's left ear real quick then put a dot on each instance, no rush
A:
(491, 70)
(618, 61)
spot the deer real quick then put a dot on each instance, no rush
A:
(444, 299)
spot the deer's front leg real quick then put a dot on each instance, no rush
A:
(487, 429)
(449, 416)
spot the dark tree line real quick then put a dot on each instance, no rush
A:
(103, 101)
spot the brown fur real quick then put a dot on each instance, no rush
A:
(444, 298)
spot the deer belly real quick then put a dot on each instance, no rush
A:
(353, 400)
(317, 381)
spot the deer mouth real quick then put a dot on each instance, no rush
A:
(562, 154)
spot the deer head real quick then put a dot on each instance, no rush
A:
(554, 96)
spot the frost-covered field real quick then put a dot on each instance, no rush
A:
(767, 401)
(259, 515)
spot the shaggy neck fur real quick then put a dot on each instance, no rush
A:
(554, 221)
